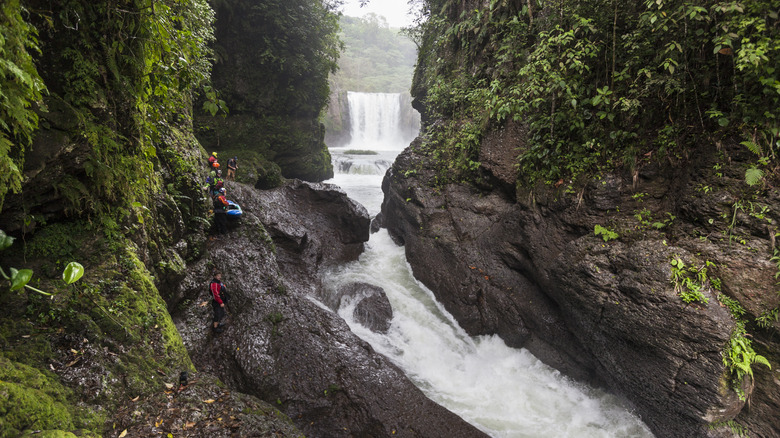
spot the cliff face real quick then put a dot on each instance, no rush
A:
(532, 270)
(111, 180)
(638, 272)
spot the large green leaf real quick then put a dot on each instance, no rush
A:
(5, 240)
(20, 278)
(72, 272)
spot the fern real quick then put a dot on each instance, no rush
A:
(739, 356)
(736, 428)
(762, 360)
(753, 175)
(767, 318)
(606, 233)
(753, 147)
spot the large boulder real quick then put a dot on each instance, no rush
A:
(374, 311)
(313, 225)
(286, 348)
(371, 309)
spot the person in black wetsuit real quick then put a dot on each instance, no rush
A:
(220, 211)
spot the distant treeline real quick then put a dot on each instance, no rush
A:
(376, 57)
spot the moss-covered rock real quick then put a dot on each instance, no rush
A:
(296, 146)
(34, 399)
(253, 168)
(27, 408)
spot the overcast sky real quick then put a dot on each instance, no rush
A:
(395, 11)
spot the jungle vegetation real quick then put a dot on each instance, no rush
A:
(601, 85)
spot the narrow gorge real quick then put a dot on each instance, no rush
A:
(568, 228)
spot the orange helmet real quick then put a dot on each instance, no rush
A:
(216, 165)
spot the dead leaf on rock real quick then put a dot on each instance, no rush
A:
(189, 424)
(123, 434)
(203, 304)
(211, 400)
(158, 422)
(135, 399)
(169, 386)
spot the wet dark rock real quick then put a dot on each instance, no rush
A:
(312, 225)
(284, 347)
(372, 310)
(530, 268)
(375, 312)
(376, 223)
(53, 156)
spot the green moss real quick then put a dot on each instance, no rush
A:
(33, 398)
(117, 306)
(35, 350)
(23, 407)
(58, 241)
(253, 168)
(49, 434)
(43, 381)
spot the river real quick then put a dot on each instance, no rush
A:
(505, 392)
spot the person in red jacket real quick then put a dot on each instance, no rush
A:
(218, 300)
(212, 159)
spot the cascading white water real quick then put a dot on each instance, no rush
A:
(378, 136)
(505, 392)
(375, 120)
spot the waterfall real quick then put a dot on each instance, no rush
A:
(375, 121)
(381, 125)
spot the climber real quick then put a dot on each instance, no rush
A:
(218, 183)
(212, 159)
(214, 183)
